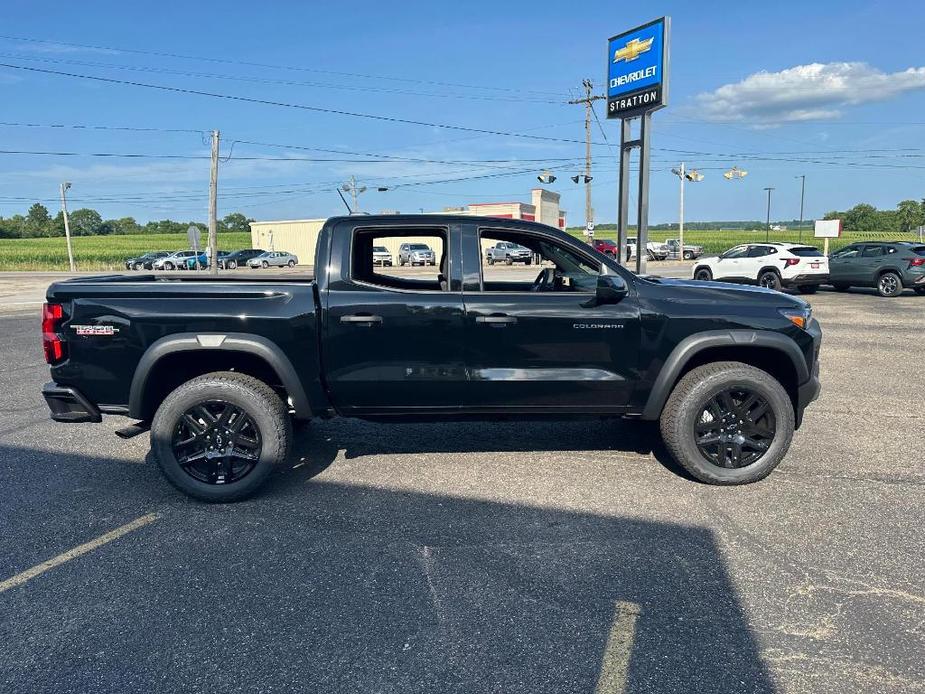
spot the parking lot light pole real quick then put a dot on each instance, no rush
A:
(67, 224)
(802, 178)
(767, 230)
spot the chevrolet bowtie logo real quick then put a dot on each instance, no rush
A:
(633, 49)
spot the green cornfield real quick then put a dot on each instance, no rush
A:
(98, 252)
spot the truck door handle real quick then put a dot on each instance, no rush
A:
(498, 321)
(362, 319)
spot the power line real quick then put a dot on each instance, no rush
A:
(283, 82)
(100, 127)
(230, 61)
(283, 104)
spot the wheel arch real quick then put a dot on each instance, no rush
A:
(772, 352)
(175, 359)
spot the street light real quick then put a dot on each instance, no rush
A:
(802, 178)
(693, 176)
(767, 231)
(66, 186)
(735, 174)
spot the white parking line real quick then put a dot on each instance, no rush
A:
(615, 662)
(28, 574)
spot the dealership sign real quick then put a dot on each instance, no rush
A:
(637, 70)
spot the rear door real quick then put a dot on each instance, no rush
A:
(393, 337)
(535, 340)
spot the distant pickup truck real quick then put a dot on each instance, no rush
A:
(690, 250)
(217, 368)
(654, 250)
(508, 253)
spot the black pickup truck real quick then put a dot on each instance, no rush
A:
(218, 368)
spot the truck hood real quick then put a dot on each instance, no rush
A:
(696, 291)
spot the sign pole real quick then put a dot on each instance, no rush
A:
(642, 217)
(623, 191)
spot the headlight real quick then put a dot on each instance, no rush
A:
(800, 317)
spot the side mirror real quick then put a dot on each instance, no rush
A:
(611, 289)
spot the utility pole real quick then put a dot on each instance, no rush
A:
(355, 191)
(67, 224)
(767, 231)
(802, 194)
(213, 206)
(588, 100)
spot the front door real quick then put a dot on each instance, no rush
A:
(844, 265)
(730, 265)
(393, 338)
(536, 341)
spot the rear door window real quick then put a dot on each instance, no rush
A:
(807, 252)
(918, 250)
(872, 251)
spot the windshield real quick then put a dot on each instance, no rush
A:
(419, 247)
(380, 249)
(806, 252)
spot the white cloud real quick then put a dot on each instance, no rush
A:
(817, 91)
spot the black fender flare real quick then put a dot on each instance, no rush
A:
(690, 346)
(255, 345)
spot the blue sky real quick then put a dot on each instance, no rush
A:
(842, 101)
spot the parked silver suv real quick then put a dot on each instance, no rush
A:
(509, 253)
(416, 254)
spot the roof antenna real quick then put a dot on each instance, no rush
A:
(349, 211)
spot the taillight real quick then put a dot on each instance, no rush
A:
(916, 262)
(52, 344)
(791, 261)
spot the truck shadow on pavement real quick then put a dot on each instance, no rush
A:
(317, 445)
(339, 587)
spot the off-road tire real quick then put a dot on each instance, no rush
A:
(260, 403)
(889, 284)
(703, 274)
(689, 397)
(769, 279)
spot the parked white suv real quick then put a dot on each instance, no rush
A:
(771, 265)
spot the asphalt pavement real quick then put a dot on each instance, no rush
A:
(478, 557)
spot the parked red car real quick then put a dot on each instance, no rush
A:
(606, 247)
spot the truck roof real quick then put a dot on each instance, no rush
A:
(443, 220)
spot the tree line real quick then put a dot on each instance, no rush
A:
(37, 222)
(908, 216)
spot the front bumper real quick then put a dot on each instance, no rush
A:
(69, 404)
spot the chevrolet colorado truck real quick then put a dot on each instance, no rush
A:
(219, 368)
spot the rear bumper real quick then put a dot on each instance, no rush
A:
(69, 404)
(810, 278)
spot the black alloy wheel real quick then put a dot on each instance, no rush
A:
(703, 275)
(735, 428)
(216, 442)
(769, 280)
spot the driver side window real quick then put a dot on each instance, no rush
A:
(533, 263)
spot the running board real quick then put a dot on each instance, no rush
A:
(133, 430)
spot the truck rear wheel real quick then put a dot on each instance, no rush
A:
(728, 423)
(218, 436)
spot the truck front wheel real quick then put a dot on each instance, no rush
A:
(728, 423)
(218, 436)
